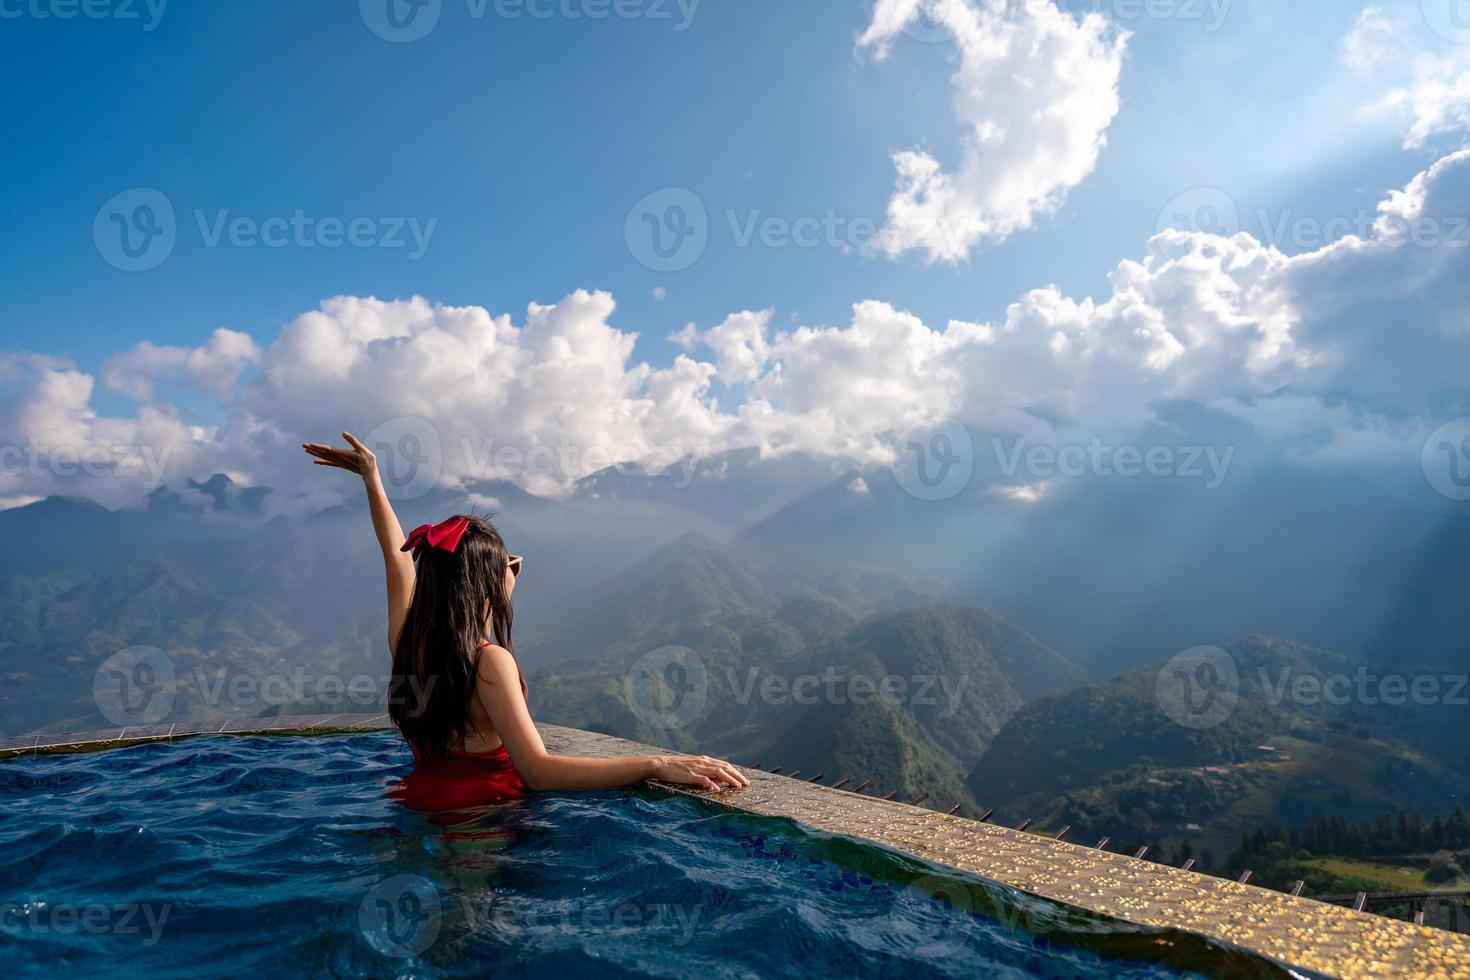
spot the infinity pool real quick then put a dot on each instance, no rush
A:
(283, 857)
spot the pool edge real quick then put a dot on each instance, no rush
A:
(1297, 932)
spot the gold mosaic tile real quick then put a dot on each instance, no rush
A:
(1299, 932)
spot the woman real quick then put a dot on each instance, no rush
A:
(460, 699)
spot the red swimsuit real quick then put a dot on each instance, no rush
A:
(460, 780)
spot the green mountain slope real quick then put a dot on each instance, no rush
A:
(908, 699)
(1110, 759)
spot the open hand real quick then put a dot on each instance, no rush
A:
(700, 771)
(359, 459)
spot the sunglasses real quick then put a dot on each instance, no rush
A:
(515, 562)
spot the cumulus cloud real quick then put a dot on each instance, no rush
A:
(739, 344)
(53, 441)
(560, 396)
(839, 388)
(1342, 353)
(213, 366)
(1349, 353)
(1035, 92)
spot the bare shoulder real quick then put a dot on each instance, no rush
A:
(497, 665)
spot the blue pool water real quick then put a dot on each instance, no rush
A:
(282, 857)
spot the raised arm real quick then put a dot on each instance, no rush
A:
(498, 689)
(397, 564)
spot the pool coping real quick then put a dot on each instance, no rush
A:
(1298, 932)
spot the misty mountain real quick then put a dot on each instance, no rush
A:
(1119, 571)
(728, 490)
(695, 578)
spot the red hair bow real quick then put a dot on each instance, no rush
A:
(445, 535)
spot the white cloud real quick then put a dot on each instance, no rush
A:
(213, 366)
(739, 344)
(1035, 91)
(1428, 86)
(52, 441)
(1352, 352)
(1376, 39)
(1438, 101)
(1371, 333)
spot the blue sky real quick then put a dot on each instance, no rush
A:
(521, 143)
(529, 140)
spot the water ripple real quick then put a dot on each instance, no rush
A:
(284, 857)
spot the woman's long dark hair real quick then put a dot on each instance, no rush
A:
(454, 595)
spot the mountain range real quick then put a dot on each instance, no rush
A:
(1021, 638)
